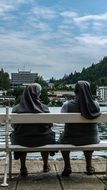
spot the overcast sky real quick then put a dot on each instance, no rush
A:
(52, 37)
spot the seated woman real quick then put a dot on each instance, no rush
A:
(80, 133)
(31, 134)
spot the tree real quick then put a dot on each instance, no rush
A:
(4, 80)
(40, 81)
(44, 96)
(17, 92)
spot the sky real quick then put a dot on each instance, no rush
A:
(52, 37)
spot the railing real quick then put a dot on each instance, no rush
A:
(10, 118)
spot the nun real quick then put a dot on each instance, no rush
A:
(31, 135)
(80, 133)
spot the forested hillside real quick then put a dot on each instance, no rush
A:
(96, 73)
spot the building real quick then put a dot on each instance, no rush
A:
(3, 92)
(61, 96)
(23, 77)
(51, 85)
(7, 97)
(70, 86)
(102, 93)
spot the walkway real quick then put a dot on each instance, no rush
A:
(37, 180)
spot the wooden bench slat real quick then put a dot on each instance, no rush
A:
(54, 118)
(59, 147)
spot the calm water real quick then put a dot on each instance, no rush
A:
(74, 155)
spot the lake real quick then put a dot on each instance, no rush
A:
(58, 130)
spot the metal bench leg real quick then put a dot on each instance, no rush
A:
(105, 175)
(106, 169)
(4, 184)
(10, 165)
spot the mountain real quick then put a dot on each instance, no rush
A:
(96, 73)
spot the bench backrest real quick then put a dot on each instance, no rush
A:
(10, 118)
(54, 118)
(48, 118)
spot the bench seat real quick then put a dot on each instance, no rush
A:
(60, 147)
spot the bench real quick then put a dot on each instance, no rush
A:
(12, 118)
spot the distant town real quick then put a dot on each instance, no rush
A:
(52, 95)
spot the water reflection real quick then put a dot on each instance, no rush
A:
(102, 131)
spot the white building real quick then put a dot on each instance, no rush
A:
(3, 92)
(51, 85)
(102, 93)
(23, 77)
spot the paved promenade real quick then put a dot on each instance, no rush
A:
(37, 180)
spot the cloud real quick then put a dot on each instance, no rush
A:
(69, 14)
(9, 5)
(44, 12)
(4, 8)
(95, 22)
(92, 40)
(51, 41)
(100, 17)
(87, 22)
(17, 50)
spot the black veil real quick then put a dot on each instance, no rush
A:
(89, 108)
(30, 101)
